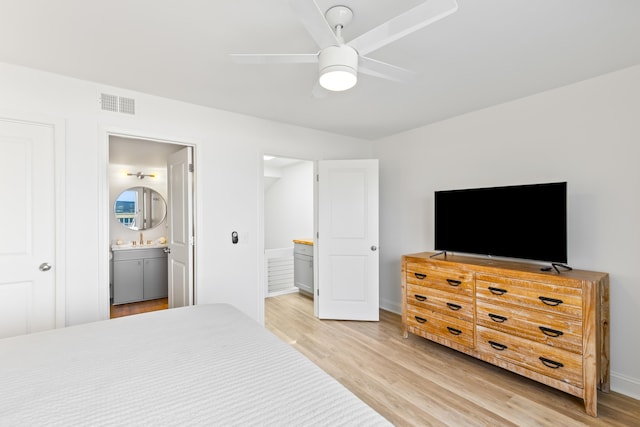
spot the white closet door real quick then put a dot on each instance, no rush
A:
(28, 224)
(347, 242)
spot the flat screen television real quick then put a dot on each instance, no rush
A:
(520, 221)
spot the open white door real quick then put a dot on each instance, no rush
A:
(180, 217)
(28, 221)
(347, 240)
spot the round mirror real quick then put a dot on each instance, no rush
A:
(140, 208)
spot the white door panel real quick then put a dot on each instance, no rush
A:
(347, 240)
(180, 217)
(179, 289)
(27, 218)
(349, 274)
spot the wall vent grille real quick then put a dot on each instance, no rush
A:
(117, 104)
(109, 102)
(127, 105)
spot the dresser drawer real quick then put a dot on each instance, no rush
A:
(552, 362)
(441, 279)
(447, 327)
(546, 297)
(560, 331)
(447, 303)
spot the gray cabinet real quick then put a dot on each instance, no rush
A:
(303, 267)
(139, 274)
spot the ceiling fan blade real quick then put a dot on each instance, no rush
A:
(383, 70)
(314, 21)
(276, 58)
(403, 24)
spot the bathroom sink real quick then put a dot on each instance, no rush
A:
(130, 246)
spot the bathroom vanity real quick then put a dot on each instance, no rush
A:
(138, 270)
(139, 274)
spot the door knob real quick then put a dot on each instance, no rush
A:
(166, 250)
(45, 266)
(374, 248)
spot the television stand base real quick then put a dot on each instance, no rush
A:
(555, 265)
(439, 253)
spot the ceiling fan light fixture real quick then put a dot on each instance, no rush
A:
(338, 78)
(338, 68)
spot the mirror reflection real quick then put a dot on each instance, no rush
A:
(140, 208)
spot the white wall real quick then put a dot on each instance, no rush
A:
(229, 149)
(288, 207)
(587, 134)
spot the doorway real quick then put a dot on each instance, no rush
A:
(344, 204)
(142, 225)
(288, 218)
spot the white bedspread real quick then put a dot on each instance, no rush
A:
(202, 365)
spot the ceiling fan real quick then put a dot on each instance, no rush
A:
(340, 62)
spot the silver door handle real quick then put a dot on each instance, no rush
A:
(374, 248)
(166, 250)
(45, 266)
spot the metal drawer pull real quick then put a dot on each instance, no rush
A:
(496, 318)
(420, 276)
(550, 363)
(550, 332)
(551, 301)
(497, 291)
(454, 331)
(454, 307)
(420, 319)
(454, 282)
(497, 346)
(420, 297)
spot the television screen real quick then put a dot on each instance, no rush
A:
(522, 221)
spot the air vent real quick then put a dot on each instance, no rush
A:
(117, 104)
(127, 105)
(109, 102)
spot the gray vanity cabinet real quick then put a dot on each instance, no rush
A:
(139, 274)
(303, 267)
(154, 282)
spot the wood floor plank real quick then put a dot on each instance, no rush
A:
(415, 382)
(121, 310)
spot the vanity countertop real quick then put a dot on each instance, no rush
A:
(129, 246)
(304, 241)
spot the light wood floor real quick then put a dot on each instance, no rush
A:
(416, 382)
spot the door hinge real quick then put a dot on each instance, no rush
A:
(317, 234)
(318, 292)
(190, 167)
(317, 177)
(192, 240)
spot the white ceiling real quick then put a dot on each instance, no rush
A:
(488, 52)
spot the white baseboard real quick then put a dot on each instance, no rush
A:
(282, 292)
(625, 385)
(391, 306)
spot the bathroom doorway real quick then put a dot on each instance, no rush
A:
(142, 228)
(288, 223)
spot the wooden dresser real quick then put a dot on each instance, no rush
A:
(548, 326)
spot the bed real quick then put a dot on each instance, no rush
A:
(199, 365)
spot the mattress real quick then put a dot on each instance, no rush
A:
(200, 365)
